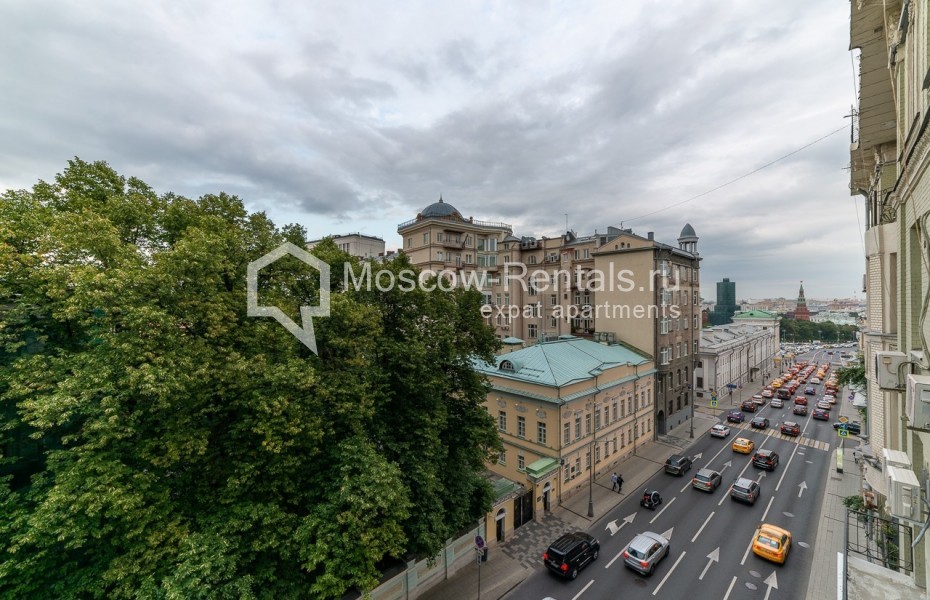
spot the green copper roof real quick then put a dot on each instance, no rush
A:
(541, 467)
(755, 314)
(561, 362)
(511, 340)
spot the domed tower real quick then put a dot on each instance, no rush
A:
(688, 239)
(440, 210)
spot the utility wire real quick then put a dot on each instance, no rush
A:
(732, 181)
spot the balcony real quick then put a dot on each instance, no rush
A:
(456, 244)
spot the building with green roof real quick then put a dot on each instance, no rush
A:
(567, 409)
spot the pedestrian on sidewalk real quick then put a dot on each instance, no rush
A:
(619, 483)
(614, 481)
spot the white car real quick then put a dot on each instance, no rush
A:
(778, 403)
(719, 430)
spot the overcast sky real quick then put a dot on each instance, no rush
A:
(353, 116)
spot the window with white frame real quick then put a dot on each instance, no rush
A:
(502, 421)
(532, 331)
(541, 433)
(502, 457)
(566, 434)
(521, 427)
(664, 356)
(521, 463)
(577, 426)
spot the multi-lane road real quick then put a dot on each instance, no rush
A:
(711, 534)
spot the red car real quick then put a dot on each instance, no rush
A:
(790, 428)
(800, 400)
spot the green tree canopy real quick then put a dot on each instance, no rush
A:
(159, 442)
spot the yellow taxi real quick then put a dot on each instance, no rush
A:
(771, 543)
(743, 445)
(777, 383)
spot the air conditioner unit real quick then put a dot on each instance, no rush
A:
(917, 405)
(886, 369)
(896, 458)
(903, 493)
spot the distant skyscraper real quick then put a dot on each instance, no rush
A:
(801, 313)
(726, 303)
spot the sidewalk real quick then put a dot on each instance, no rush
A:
(514, 560)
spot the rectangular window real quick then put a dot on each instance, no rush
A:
(521, 427)
(468, 259)
(553, 299)
(410, 242)
(553, 322)
(695, 299)
(663, 325)
(587, 253)
(541, 433)
(426, 238)
(700, 382)
(587, 459)
(502, 458)
(532, 331)
(597, 454)
(615, 411)
(521, 462)
(577, 427)
(502, 421)
(567, 434)
(587, 424)
(695, 347)
(629, 405)
(597, 418)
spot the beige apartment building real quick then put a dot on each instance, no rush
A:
(607, 286)
(568, 411)
(356, 244)
(889, 157)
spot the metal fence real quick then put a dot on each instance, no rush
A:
(880, 541)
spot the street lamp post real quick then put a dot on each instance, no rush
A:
(691, 401)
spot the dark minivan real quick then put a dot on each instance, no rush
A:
(570, 553)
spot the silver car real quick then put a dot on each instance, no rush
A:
(645, 552)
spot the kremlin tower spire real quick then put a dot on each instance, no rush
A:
(801, 313)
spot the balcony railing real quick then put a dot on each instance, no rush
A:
(457, 220)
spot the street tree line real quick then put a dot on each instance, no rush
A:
(808, 331)
(157, 442)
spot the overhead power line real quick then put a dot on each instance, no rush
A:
(732, 181)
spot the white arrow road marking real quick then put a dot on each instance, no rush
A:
(614, 528)
(803, 486)
(702, 527)
(761, 475)
(726, 466)
(772, 582)
(659, 514)
(667, 575)
(711, 558)
(578, 595)
(667, 534)
(697, 456)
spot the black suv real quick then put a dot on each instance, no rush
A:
(677, 464)
(765, 459)
(570, 553)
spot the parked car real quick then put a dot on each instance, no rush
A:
(707, 480)
(854, 427)
(745, 490)
(760, 423)
(678, 464)
(735, 416)
(790, 428)
(719, 430)
(771, 543)
(765, 459)
(645, 551)
(571, 553)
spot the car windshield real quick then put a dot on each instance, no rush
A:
(704, 478)
(636, 553)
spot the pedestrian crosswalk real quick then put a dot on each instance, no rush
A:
(775, 433)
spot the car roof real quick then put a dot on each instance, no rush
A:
(644, 540)
(765, 452)
(706, 473)
(774, 530)
(791, 424)
(744, 482)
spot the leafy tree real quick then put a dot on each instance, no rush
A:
(853, 375)
(157, 442)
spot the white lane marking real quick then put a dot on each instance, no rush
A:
(659, 514)
(702, 527)
(767, 508)
(713, 557)
(667, 575)
(614, 559)
(730, 589)
(578, 595)
(687, 485)
(785, 470)
(748, 548)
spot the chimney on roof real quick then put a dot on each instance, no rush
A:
(650, 236)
